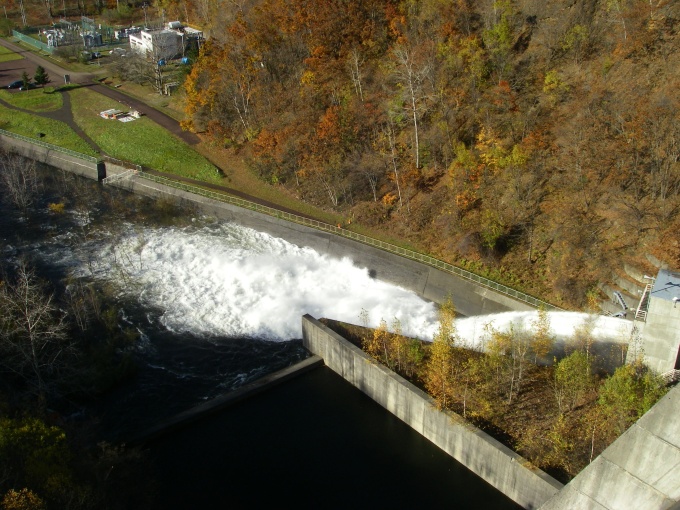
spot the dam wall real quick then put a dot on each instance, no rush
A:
(431, 283)
(498, 465)
(641, 469)
(54, 156)
(428, 282)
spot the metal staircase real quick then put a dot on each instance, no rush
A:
(128, 174)
(641, 311)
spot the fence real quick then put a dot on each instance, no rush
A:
(49, 146)
(325, 227)
(33, 42)
(121, 163)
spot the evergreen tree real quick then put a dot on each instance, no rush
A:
(25, 79)
(41, 77)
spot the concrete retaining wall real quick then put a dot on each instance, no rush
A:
(428, 282)
(55, 158)
(479, 452)
(223, 401)
(641, 469)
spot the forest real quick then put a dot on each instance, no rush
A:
(538, 140)
(534, 142)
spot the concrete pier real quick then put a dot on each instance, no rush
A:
(489, 459)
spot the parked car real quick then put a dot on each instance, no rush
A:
(15, 84)
(27, 87)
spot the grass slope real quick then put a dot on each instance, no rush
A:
(7, 55)
(55, 132)
(142, 141)
(37, 100)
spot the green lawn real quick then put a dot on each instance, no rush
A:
(37, 100)
(55, 132)
(6, 55)
(142, 141)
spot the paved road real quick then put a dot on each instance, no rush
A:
(13, 70)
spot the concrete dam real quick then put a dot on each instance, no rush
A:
(640, 468)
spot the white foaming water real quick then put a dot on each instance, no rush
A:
(474, 331)
(228, 280)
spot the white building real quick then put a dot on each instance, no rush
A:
(164, 43)
(157, 44)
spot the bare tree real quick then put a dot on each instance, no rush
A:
(33, 338)
(354, 62)
(411, 75)
(389, 136)
(20, 179)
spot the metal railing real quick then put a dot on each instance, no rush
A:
(33, 42)
(49, 146)
(325, 227)
(127, 174)
(643, 305)
(319, 225)
(121, 163)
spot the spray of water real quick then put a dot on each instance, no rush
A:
(564, 326)
(227, 280)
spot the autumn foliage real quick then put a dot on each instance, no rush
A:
(558, 416)
(533, 139)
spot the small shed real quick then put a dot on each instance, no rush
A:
(112, 114)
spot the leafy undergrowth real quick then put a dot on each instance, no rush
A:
(558, 417)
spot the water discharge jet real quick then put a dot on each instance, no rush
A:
(228, 280)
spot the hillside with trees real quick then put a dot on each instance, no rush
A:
(537, 140)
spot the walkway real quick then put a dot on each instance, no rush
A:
(10, 71)
(63, 114)
(14, 69)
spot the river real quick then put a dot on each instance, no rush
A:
(216, 306)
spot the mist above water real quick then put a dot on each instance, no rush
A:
(228, 280)
(564, 327)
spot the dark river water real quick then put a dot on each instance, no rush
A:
(312, 442)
